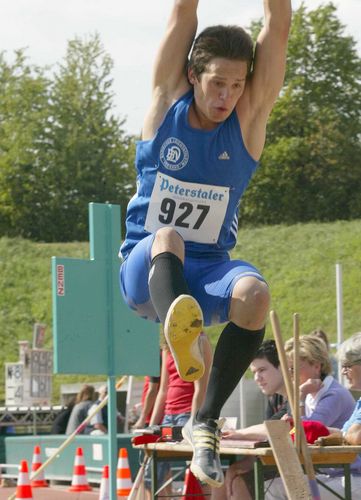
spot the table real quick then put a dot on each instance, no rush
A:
(329, 456)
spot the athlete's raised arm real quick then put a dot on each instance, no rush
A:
(169, 71)
(268, 73)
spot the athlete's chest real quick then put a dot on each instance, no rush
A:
(207, 159)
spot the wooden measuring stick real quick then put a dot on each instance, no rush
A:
(289, 388)
(287, 460)
(73, 435)
(296, 380)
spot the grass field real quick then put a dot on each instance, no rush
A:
(297, 261)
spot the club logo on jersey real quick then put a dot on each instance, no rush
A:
(174, 154)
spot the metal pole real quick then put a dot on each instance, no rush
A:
(339, 308)
(112, 437)
(242, 406)
(127, 403)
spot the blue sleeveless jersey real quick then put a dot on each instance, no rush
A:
(192, 180)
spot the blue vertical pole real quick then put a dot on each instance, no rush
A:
(112, 410)
(102, 245)
(112, 437)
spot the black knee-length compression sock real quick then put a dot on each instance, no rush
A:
(166, 282)
(234, 352)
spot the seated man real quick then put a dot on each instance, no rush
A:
(268, 375)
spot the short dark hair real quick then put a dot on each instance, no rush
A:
(228, 42)
(268, 350)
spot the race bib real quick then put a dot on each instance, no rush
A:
(196, 211)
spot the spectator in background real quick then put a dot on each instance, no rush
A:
(349, 355)
(99, 422)
(61, 420)
(323, 336)
(322, 398)
(149, 395)
(84, 400)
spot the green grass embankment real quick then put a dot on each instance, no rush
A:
(297, 261)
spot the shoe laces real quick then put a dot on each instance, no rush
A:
(208, 435)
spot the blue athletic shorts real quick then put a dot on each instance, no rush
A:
(210, 281)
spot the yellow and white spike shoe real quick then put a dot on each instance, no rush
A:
(204, 437)
(182, 327)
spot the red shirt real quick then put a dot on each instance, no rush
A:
(180, 393)
(147, 379)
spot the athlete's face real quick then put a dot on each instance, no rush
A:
(218, 89)
(268, 378)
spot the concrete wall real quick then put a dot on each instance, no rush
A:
(253, 404)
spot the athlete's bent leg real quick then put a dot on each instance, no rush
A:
(237, 344)
(176, 308)
(235, 349)
(166, 275)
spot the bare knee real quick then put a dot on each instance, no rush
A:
(167, 239)
(250, 303)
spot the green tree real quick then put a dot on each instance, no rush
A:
(61, 145)
(310, 169)
(90, 156)
(23, 120)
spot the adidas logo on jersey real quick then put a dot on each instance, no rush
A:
(224, 156)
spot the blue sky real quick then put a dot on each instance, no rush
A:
(130, 31)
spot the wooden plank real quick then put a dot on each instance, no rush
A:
(243, 443)
(287, 460)
(287, 379)
(335, 458)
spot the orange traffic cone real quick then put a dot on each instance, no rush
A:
(79, 481)
(23, 489)
(104, 484)
(124, 480)
(39, 482)
(192, 489)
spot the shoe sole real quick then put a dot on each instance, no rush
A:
(196, 470)
(182, 327)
